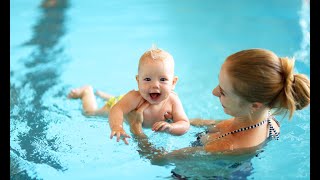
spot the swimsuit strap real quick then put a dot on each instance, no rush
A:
(243, 129)
(272, 132)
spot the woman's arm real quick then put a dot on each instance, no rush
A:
(135, 119)
(159, 156)
(202, 122)
(155, 155)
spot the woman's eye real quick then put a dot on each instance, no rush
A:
(220, 91)
(147, 79)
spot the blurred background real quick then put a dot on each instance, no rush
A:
(57, 45)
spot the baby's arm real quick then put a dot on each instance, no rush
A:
(128, 103)
(181, 122)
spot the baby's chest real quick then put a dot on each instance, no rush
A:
(152, 115)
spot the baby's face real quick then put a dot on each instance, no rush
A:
(156, 80)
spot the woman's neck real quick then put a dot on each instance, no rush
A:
(251, 119)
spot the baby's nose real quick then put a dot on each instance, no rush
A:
(155, 84)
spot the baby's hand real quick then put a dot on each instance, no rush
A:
(119, 132)
(161, 126)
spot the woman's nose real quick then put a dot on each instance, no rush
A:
(216, 92)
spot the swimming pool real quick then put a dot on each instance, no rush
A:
(99, 42)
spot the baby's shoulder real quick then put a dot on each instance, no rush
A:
(174, 96)
(174, 99)
(133, 93)
(133, 97)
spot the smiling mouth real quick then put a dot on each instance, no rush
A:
(154, 96)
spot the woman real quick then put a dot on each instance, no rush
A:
(254, 85)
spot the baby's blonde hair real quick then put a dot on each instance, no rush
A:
(155, 53)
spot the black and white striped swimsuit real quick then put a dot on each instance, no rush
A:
(272, 132)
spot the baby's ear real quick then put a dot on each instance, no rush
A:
(137, 78)
(174, 82)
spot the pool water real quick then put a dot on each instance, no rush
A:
(57, 45)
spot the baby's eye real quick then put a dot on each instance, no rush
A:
(163, 79)
(147, 79)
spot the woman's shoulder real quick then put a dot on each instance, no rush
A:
(219, 145)
(224, 123)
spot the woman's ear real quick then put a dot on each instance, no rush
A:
(256, 106)
(174, 82)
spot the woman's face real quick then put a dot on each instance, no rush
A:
(232, 104)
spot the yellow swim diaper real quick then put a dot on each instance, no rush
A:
(113, 100)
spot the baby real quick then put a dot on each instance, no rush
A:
(156, 82)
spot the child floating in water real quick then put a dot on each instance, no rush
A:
(156, 82)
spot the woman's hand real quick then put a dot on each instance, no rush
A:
(161, 126)
(135, 119)
(167, 115)
(202, 122)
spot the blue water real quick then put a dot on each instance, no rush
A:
(53, 50)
